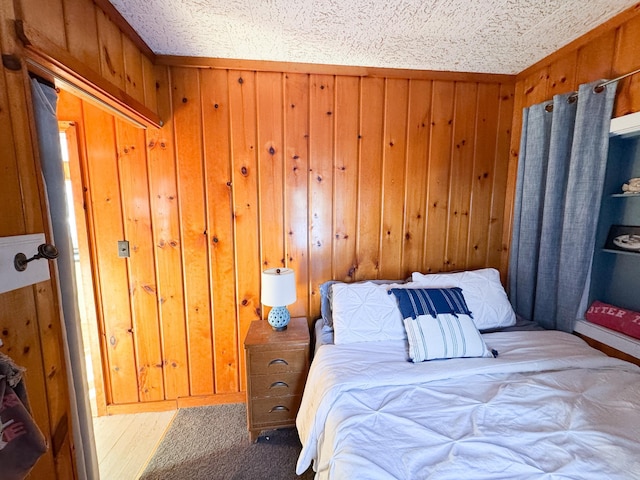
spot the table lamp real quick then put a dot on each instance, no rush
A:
(278, 291)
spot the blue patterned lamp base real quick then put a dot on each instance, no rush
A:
(279, 318)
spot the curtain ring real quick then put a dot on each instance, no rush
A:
(549, 107)
(599, 88)
(572, 98)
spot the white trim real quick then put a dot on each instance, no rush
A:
(625, 125)
(609, 337)
(36, 271)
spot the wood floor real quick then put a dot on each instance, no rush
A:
(126, 443)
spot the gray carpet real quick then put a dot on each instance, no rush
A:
(213, 443)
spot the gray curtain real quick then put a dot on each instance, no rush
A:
(45, 100)
(563, 155)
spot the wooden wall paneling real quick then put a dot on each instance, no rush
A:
(512, 170)
(592, 35)
(393, 177)
(535, 87)
(163, 193)
(215, 111)
(111, 271)
(48, 17)
(270, 169)
(11, 205)
(51, 334)
(21, 210)
(187, 123)
(90, 42)
(296, 165)
(242, 105)
(126, 29)
(462, 161)
(595, 60)
(65, 460)
(483, 175)
(418, 128)
(440, 153)
(345, 201)
(19, 330)
(30, 201)
(324, 69)
(149, 85)
(111, 50)
(502, 164)
(562, 75)
(372, 111)
(81, 29)
(134, 83)
(132, 170)
(627, 59)
(321, 195)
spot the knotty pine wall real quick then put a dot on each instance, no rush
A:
(80, 35)
(336, 176)
(91, 38)
(28, 317)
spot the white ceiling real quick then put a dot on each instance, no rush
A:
(490, 36)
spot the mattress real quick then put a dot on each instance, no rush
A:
(549, 406)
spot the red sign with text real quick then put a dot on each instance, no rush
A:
(615, 318)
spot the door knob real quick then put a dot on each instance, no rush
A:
(46, 250)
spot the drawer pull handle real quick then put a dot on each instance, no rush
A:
(279, 408)
(278, 361)
(279, 384)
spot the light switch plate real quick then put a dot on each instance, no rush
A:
(36, 271)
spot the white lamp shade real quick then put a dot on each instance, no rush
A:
(278, 287)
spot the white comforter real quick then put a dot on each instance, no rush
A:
(548, 407)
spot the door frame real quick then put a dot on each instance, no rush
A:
(89, 304)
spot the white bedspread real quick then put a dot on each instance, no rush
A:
(548, 407)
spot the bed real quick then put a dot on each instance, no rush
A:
(531, 404)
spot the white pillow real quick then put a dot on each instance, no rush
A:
(365, 312)
(325, 299)
(445, 336)
(482, 291)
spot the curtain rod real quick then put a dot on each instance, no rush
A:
(598, 88)
(604, 84)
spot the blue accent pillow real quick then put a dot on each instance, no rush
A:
(414, 302)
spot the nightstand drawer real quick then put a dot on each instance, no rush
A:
(269, 362)
(275, 410)
(278, 384)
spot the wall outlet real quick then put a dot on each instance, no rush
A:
(123, 249)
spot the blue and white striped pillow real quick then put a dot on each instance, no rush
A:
(433, 301)
(439, 324)
(445, 336)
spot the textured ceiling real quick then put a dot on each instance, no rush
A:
(490, 36)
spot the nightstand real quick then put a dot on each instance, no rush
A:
(277, 366)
